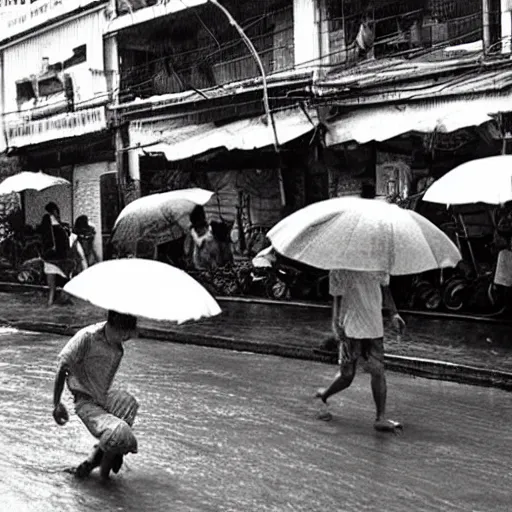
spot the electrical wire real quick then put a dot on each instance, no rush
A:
(127, 91)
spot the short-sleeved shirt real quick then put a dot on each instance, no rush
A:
(361, 303)
(91, 361)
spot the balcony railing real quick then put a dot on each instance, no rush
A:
(219, 57)
(394, 28)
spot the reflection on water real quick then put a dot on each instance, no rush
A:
(227, 431)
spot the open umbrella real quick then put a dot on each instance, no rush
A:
(158, 217)
(30, 181)
(144, 288)
(484, 180)
(365, 235)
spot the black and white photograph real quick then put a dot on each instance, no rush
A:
(255, 255)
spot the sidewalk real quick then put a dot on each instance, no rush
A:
(463, 351)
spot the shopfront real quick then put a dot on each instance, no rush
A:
(407, 147)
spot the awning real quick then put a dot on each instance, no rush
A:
(383, 123)
(246, 134)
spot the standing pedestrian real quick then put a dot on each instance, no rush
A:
(56, 249)
(359, 330)
(358, 327)
(201, 246)
(86, 236)
(88, 364)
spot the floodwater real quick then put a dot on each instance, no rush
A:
(226, 431)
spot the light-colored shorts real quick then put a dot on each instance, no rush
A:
(111, 424)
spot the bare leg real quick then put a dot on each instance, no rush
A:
(379, 391)
(342, 381)
(93, 461)
(107, 463)
(52, 284)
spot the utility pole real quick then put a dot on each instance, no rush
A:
(266, 103)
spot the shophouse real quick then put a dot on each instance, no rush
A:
(53, 97)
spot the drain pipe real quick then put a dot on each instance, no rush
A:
(266, 104)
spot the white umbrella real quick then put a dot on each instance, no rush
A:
(485, 180)
(144, 288)
(365, 235)
(30, 181)
(161, 217)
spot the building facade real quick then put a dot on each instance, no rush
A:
(54, 95)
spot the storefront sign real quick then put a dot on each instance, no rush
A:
(24, 16)
(56, 127)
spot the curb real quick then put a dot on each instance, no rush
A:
(417, 367)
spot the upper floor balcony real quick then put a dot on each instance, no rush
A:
(199, 49)
(356, 30)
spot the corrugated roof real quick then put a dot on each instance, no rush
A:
(231, 89)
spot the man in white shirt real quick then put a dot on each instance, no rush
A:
(357, 324)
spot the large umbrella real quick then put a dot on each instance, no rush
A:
(144, 288)
(365, 235)
(158, 217)
(485, 180)
(30, 181)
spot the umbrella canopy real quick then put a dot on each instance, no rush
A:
(485, 180)
(159, 217)
(365, 235)
(30, 181)
(144, 288)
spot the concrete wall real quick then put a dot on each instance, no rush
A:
(87, 194)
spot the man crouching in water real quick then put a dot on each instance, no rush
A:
(88, 363)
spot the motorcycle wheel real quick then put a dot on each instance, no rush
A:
(455, 294)
(25, 277)
(277, 290)
(427, 296)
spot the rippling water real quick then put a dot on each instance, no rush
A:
(227, 431)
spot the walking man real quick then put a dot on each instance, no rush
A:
(88, 364)
(358, 326)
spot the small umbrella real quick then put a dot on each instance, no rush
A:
(365, 235)
(159, 217)
(30, 181)
(144, 288)
(485, 180)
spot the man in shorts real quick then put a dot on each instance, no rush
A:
(357, 324)
(88, 364)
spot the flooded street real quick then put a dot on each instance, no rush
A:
(226, 431)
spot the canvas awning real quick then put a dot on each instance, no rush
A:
(246, 134)
(382, 123)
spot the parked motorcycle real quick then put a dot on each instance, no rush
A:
(276, 277)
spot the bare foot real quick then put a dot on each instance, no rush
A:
(323, 414)
(385, 425)
(321, 394)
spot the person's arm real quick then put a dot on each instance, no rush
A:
(336, 301)
(389, 304)
(60, 413)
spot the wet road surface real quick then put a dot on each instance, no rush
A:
(226, 431)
